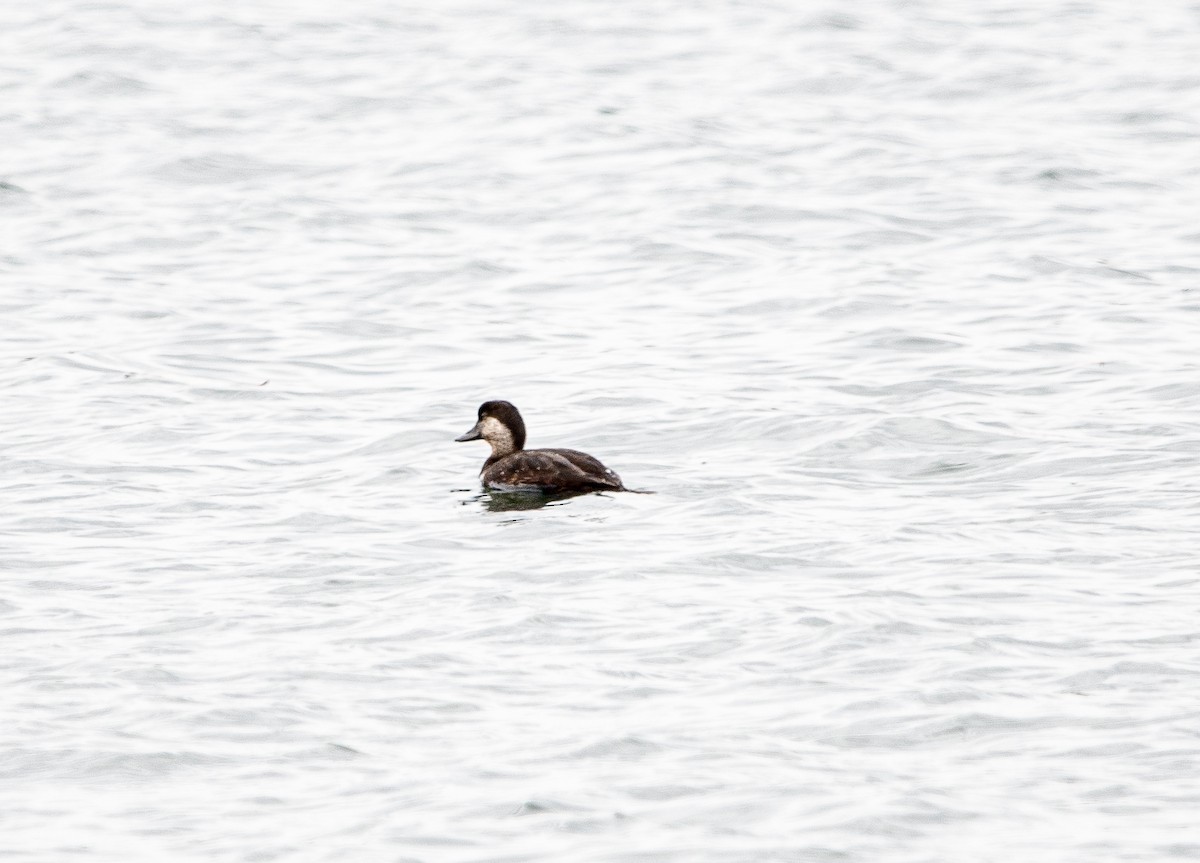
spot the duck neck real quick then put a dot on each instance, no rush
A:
(502, 443)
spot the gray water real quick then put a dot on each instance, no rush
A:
(893, 304)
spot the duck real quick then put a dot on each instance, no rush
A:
(511, 467)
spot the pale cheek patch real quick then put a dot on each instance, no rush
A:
(497, 434)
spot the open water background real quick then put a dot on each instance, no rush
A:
(894, 305)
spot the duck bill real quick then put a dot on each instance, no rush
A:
(473, 434)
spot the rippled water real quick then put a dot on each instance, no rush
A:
(893, 304)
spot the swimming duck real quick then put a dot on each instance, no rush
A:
(511, 467)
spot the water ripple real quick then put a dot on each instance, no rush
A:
(894, 312)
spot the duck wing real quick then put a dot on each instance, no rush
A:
(591, 466)
(552, 470)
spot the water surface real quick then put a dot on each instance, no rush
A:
(892, 305)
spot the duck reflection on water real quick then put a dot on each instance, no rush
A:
(514, 501)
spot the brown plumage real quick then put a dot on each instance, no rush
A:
(511, 467)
